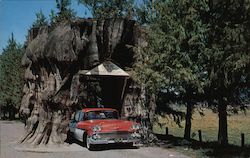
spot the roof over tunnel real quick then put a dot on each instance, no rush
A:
(107, 68)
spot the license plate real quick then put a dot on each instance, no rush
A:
(118, 140)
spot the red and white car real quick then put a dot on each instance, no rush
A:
(103, 126)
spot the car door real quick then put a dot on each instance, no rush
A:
(72, 124)
(78, 133)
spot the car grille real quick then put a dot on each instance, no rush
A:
(115, 135)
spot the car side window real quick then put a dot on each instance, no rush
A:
(81, 116)
(77, 115)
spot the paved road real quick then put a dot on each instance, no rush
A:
(10, 132)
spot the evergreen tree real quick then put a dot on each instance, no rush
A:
(40, 20)
(52, 17)
(11, 80)
(199, 50)
(173, 61)
(64, 12)
(228, 58)
(144, 12)
(110, 8)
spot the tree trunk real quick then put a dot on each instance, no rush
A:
(151, 110)
(140, 107)
(4, 113)
(10, 112)
(188, 121)
(53, 60)
(48, 119)
(222, 134)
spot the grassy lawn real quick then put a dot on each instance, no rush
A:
(208, 124)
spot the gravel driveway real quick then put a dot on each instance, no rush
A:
(11, 131)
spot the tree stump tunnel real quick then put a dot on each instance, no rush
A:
(60, 74)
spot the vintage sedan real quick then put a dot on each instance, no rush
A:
(94, 126)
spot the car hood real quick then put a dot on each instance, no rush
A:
(110, 125)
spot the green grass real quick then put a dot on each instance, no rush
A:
(208, 124)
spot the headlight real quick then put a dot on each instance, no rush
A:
(135, 127)
(97, 128)
(135, 135)
(96, 136)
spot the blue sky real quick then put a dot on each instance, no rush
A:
(17, 16)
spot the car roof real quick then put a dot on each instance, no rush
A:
(97, 109)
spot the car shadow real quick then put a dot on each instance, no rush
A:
(115, 147)
(103, 147)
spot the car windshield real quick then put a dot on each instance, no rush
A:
(100, 115)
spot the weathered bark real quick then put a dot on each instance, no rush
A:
(140, 106)
(151, 109)
(188, 123)
(53, 58)
(93, 56)
(222, 134)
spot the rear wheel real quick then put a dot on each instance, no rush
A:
(70, 137)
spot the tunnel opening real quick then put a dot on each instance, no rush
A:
(104, 86)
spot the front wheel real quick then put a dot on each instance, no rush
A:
(130, 145)
(89, 146)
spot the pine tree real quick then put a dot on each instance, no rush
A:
(173, 61)
(144, 12)
(110, 9)
(11, 76)
(199, 50)
(40, 20)
(228, 58)
(64, 12)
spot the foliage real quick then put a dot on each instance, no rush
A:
(52, 17)
(172, 62)
(64, 12)
(228, 61)
(40, 20)
(199, 50)
(144, 12)
(11, 74)
(110, 9)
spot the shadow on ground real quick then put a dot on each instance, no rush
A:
(208, 149)
(105, 146)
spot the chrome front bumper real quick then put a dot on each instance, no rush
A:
(110, 138)
(95, 141)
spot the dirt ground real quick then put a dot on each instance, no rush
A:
(11, 131)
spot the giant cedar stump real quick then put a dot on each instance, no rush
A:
(53, 59)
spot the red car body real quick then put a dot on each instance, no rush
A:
(103, 126)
